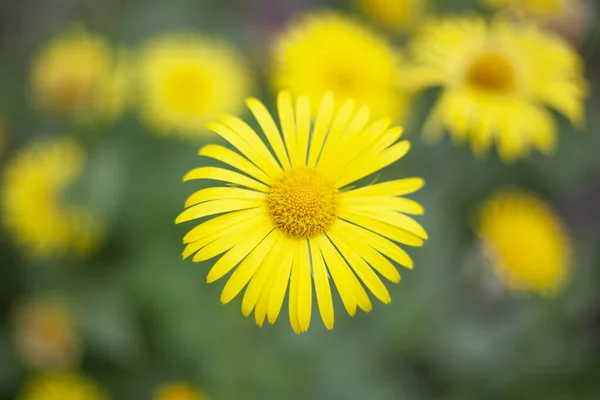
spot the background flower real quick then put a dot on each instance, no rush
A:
(76, 75)
(33, 206)
(187, 80)
(497, 80)
(323, 51)
(526, 241)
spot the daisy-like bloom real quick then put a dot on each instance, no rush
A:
(526, 241)
(189, 79)
(33, 208)
(296, 213)
(61, 386)
(177, 391)
(44, 335)
(398, 15)
(497, 81)
(77, 76)
(324, 51)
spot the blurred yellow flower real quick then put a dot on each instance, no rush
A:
(398, 15)
(61, 386)
(295, 216)
(33, 209)
(497, 81)
(76, 75)
(526, 241)
(177, 391)
(44, 335)
(189, 79)
(324, 51)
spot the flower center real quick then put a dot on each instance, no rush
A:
(302, 203)
(492, 72)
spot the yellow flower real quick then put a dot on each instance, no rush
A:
(177, 391)
(497, 81)
(399, 15)
(298, 214)
(75, 76)
(61, 386)
(324, 52)
(188, 80)
(45, 337)
(33, 209)
(526, 241)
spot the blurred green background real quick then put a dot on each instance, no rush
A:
(146, 317)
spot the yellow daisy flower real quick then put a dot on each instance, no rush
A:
(177, 391)
(325, 52)
(61, 386)
(44, 335)
(33, 209)
(297, 213)
(188, 80)
(399, 15)
(526, 241)
(497, 81)
(76, 75)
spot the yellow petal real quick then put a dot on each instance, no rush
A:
(242, 274)
(399, 204)
(394, 218)
(225, 231)
(321, 128)
(322, 289)
(261, 274)
(361, 268)
(304, 287)
(392, 188)
(217, 207)
(384, 229)
(264, 119)
(239, 252)
(235, 160)
(289, 252)
(383, 245)
(341, 120)
(221, 222)
(335, 264)
(225, 243)
(302, 127)
(360, 170)
(265, 160)
(225, 175)
(293, 297)
(223, 193)
(288, 126)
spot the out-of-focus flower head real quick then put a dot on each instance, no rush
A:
(76, 75)
(177, 391)
(327, 52)
(45, 336)
(570, 18)
(396, 15)
(61, 386)
(296, 214)
(34, 211)
(188, 79)
(526, 241)
(498, 80)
